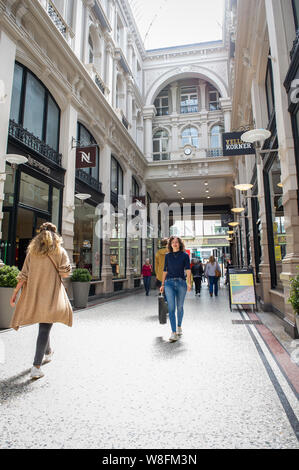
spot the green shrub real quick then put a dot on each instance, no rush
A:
(294, 294)
(8, 276)
(81, 275)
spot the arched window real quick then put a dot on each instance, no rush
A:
(34, 108)
(215, 141)
(117, 178)
(160, 145)
(135, 187)
(190, 136)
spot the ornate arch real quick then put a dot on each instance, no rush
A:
(179, 73)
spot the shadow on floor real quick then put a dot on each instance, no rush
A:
(168, 350)
(11, 387)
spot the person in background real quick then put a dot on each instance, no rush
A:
(147, 270)
(43, 298)
(177, 262)
(197, 273)
(159, 261)
(210, 271)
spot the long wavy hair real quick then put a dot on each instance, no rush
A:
(46, 241)
(181, 243)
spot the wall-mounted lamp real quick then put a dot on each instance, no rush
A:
(82, 197)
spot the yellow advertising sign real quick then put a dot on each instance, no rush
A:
(242, 289)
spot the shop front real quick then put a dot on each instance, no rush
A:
(32, 195)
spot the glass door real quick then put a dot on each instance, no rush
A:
(28, 223)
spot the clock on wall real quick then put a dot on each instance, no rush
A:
(187, 151)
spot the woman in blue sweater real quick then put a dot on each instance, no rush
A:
(174, 282)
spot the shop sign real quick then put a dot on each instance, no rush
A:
(233, 145)
(38, 165)
(242, 289)
(86, 157)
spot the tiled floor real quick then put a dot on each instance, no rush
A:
(116, 382)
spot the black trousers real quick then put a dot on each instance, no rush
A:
(197, 282)
(43, 343)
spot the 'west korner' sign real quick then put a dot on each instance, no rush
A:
(233, 145)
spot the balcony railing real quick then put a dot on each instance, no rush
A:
(34, 143)
(217, 152)
(295, 44)
(89, 180)
(59, 22)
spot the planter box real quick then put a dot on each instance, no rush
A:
(80, 294)
(6, 311)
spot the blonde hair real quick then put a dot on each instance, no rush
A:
(212, 259)
(47, 241)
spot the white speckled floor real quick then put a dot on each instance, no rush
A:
(116, 382)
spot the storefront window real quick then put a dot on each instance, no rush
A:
(86, 241)
(135, 255)
(118, 257)
(150, 250)
(33, 192)
(279, 234)
(5, 243)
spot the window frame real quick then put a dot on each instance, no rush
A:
(210, 91)
(160, 153)
(21, 113)
(191, 137)
(190, 108)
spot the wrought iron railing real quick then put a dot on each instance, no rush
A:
(295, 44)
(99, 83)
(58, 20)
(88, 179)
(32, 142)
(217, 152)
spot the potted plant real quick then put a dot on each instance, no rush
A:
(8, 282)
(294, 298)
(80, 279)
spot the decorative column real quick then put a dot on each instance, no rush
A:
(202, 87)
(69, 120)
(226, 106)
(7, 57)
(174, 97)
(128, 194)
(109, 73)
(105, 176)
(148, 114)
(129, 115)
(280, 65)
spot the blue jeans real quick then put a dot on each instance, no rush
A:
(175, 292)
(213, 281)
(147, 283)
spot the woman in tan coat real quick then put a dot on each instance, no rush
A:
(43, 297)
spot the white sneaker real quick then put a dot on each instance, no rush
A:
(180, 331)
(173, 337)
(36, 373)
(48, 357)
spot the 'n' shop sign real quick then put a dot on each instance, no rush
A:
(86, 157)
(233, 145)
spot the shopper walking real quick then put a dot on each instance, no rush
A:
(197, 273)
(159, 261)
(43, 297)
(147, 270)
(174, 283)
(212, 272)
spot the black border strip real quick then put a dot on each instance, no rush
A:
(280, 393)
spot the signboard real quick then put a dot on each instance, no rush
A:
(241, 286)
(86, 157)
(233, 145)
